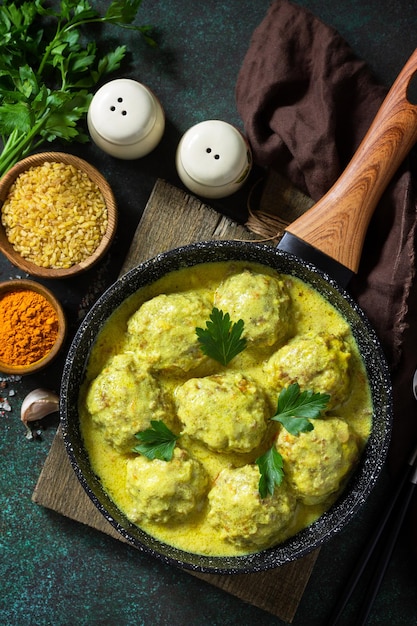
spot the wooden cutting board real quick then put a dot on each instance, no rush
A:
(172, 218)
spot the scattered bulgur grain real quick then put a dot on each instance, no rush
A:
(44, 210)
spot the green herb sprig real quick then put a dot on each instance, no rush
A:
(46, 72)
(296, 408)
(271, 470)
(221, 339)
(157, 442)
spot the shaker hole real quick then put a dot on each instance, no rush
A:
(113, 108)
(217, 157)
(208, 150)
(124, 112)
(119, 99)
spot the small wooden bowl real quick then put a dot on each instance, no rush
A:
(30, 285)
(61, 157)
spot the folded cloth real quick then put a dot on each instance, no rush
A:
(306, 101)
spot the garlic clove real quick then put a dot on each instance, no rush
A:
(38, 404)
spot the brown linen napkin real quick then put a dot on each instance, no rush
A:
(306, 102)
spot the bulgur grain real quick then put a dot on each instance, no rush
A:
(54, 215)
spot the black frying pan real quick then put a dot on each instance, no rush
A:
(329, 240)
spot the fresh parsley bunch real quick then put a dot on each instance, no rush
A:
(47, 69)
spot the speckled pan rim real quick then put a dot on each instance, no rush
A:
(373, 458)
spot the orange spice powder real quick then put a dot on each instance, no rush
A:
(28, 327)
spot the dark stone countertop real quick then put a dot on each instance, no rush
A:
(52, 570)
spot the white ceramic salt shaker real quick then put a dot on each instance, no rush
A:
(213, 159)
(125, 119)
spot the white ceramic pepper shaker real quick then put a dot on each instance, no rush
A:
(125, 119)
(213, 159)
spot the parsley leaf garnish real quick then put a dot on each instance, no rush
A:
(295, 408)
(157, 442)
(271, 470)
(221, 339)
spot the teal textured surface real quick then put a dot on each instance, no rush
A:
(54, 572)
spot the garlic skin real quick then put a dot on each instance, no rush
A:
(38, 404)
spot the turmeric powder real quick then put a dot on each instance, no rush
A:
(28, 327)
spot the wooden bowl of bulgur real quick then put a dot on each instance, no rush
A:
(58, 215)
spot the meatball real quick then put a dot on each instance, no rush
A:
(123, 400)
(241, 516)
(165, 491)
(263, 303)
(228, 412)
(163, 330)
(316, 462)
(317, 362)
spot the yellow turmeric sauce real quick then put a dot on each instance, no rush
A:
(310, 313)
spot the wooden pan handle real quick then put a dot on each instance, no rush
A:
(337, 223)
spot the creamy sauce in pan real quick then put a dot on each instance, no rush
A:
(308, 314)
